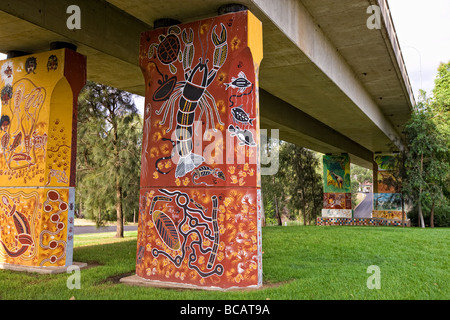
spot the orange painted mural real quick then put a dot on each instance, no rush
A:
(39, 94)
(200, 171)
(206, 237)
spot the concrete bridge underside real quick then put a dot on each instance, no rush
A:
(328, 82)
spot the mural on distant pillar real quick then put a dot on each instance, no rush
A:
(37, 160)
(387, 203)
(199, 219)
(337, 197)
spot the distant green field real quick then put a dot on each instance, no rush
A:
(299, 263)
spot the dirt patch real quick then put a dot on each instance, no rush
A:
(116, 278)
(266, 285)
(92, 264)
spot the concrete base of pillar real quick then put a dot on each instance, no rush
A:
(135, 280)
(40, 270)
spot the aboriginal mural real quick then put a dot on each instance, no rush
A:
(336, 174)
(337, 201)
(337, 197)
(206, 237)
(37, 165)
(387, 203)
(36, 226)
(200, 216)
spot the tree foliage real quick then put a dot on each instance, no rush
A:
(108, 154)
(427, 172)
(297, 188)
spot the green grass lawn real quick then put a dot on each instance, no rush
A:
(298, 263)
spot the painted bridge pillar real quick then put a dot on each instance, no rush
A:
(337, 196)
(199, 219)
(39, 95)
(387, 197)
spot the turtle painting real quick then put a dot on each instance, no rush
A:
(168, 50)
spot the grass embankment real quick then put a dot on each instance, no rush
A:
(298, 263)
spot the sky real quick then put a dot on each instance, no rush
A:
(423, 31)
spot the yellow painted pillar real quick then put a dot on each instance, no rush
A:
(39, 95)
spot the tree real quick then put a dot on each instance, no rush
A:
(297, 186)
(305, 183)
(427, 160)
(440, 105)
(273, 191)
(108, 155)
(422, 172)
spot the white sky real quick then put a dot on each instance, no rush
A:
(423, 31)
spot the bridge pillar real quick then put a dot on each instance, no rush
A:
(39, 95)
(337, 196)
(199, 218)
(387, 199)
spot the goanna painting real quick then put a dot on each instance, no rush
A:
(36, 226)
(336, 174)
(205, 237)
(36, 121)
(200, 217)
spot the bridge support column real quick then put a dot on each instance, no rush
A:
(337, 196)
(39, 94)
(387, 199)
(200, 213)
(199, 219)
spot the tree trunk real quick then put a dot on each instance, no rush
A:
(304, 215)
(119, 233)
(277, 212)
(304, 199)
(99, 217)
(403, 211)
(421, 221)
(263, 214)
(80, 210)
(432, 215)
(313, 195)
